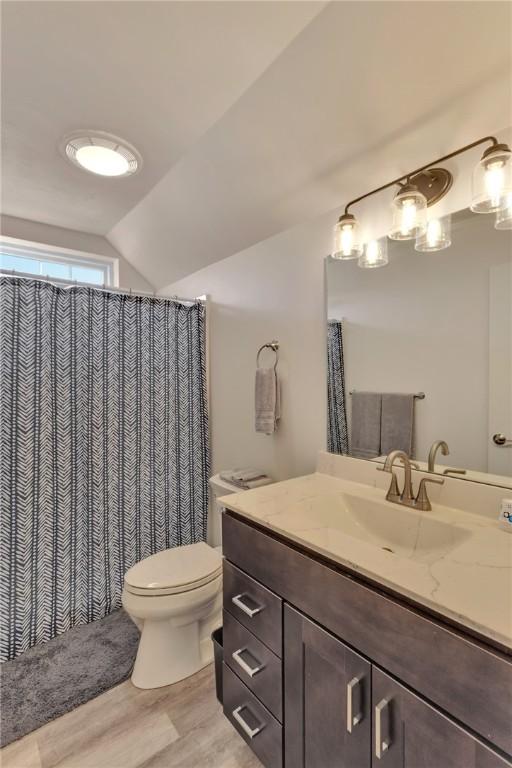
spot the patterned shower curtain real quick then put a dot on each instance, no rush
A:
(104, 448)
(337, 436)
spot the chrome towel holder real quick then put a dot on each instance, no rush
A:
(274, 346)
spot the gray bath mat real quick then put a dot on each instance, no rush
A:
(50, 679)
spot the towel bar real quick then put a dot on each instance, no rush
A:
(417, 396)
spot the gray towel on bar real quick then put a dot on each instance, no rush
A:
(267, 400)
(397, 430)
(365, 425)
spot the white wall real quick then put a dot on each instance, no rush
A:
(46, 234)
(273, 290)
(422, 324)
(276, 290)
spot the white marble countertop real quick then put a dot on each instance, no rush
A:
(453, 562)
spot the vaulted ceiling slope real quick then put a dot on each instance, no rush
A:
(251, 116)
(158, 74)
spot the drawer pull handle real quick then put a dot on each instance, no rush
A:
(353, 718)
(251, 732)
(251, 671)
(381, 744)
(237, 600)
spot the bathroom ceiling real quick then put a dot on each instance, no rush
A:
(158, 74)
(250, 117)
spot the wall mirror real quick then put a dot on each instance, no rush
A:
(433, 327)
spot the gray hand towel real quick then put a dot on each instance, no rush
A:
(365, 425)
(267, 400)
(397, 430)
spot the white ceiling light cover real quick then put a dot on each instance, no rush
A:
(101, 153)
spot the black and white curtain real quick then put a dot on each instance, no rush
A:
(104, 448)
(337, 436)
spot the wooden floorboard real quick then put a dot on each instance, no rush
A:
(179, 726)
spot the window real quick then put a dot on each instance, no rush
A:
(56, 263)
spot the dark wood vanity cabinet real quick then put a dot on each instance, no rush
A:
(323, 671)
(327, 698)
(407, 731)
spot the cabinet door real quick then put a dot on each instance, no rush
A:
(327, 699)
(409, 733)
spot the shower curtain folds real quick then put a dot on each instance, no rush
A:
(104, 448)
(337, 434)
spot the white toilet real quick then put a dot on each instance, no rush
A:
(175, 598)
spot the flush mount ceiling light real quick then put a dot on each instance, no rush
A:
(101, 153)
(422, 188)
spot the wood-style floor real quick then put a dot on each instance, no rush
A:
(180, 726)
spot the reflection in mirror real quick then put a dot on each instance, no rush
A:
(420, 354)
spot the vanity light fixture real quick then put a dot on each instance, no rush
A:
(101, 153)
(422, 188)
(375, 254)
(436, 236)
(504, 217)
(347, 243)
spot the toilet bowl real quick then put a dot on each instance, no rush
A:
(175, 598)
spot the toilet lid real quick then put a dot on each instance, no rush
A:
(176, 570)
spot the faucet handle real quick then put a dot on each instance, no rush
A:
(422, 500)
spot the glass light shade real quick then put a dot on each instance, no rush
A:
(504, 217)
(375, 254)
(492, 180)
(409, 214)
(347, 239)
(437, 236)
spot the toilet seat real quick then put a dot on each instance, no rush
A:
(174, 571)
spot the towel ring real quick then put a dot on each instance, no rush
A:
(274, 346)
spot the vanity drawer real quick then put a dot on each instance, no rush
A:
(255, 606)
(252, 720)
(254, 663)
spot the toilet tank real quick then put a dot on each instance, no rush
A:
(218, 488)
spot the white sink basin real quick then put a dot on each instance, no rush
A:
(402, 531)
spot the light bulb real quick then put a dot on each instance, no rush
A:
(346, 239)
(375, 254)
(437, 235)
(433, 232)
(408, 217)
(494, 182)
(504, 217)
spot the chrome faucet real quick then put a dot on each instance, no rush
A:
(407, 498)
(443, 445)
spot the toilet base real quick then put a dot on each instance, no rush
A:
(167, 655)
(175, 640)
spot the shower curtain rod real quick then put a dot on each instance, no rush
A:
(103, 287)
